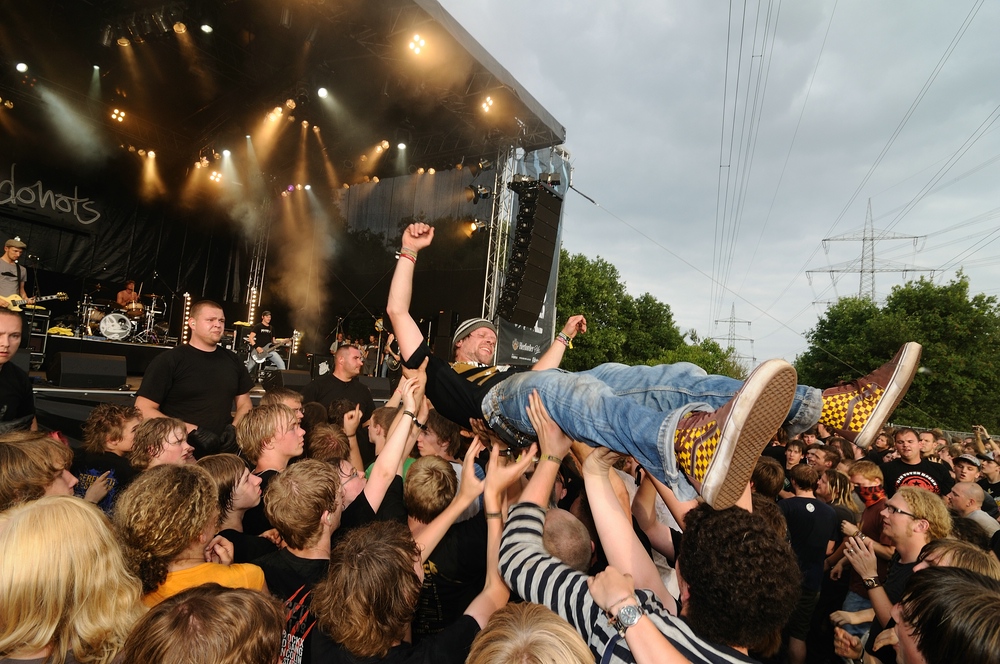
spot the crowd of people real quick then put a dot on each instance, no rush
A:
(625, 514)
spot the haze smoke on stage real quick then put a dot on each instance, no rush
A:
(73, 129)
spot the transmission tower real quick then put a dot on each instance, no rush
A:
(869, 266)
(730, 339)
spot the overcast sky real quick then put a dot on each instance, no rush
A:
(641, 87)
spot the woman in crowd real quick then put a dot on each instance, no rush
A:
(239, 491)
(158, 442)
(167, 522)
(33, 465)
(67, 594)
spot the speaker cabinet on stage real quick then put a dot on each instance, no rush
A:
(290, 378)
(379, 387)
(86, 370)
(532, 253)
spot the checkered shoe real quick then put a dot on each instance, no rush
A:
(858, 410)
(717, 450)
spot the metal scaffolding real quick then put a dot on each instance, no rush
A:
(499, 229)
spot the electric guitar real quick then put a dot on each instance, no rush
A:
(261, 357)
(14, 302)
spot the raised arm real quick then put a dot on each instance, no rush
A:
(551, 358)
(469, 489)
(408, 334)
(384, 470)
(553, 445)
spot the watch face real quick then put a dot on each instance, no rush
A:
(629, 615)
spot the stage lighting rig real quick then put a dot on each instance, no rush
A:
(475, 193)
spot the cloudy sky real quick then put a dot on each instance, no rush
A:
(724, 143)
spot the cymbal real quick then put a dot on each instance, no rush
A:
(104, 301)
(240, 323)
(150, 295)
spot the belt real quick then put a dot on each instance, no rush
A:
(510, 435)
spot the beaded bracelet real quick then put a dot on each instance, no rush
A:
(564, 339)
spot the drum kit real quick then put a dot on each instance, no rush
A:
(135, 322)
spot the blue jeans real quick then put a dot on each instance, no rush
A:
(630, 409)
(855, 602)
(274, 358)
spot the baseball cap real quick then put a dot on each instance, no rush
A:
(970, 458)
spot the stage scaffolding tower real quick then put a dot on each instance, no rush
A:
(258, 259)
(499, 230)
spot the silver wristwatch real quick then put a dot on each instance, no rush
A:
(627, 616)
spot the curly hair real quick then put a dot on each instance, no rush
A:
(954, 615)
(64, 582)
(260, 426)
(29, 463)
(160, 514)
(150, 437)
(429, 488)
(743, 580)
(297, 498)
(528, 633)
(929, 507)
(367, 601)
(229, 626)
(226, 471)
(105, 423)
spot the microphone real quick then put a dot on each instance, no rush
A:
(34, 257)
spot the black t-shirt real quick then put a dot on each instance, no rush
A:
(457, 390)
(291, 579)
(327, 389)
(812, 525)
(87, 467)
(925, 475)
(990, 489)
(360, 512)
(16, 398)
(895, 583)
(254, 520)
(195, 386)
(454, 574)
(448, 647)
(262, 335)
(248, 548)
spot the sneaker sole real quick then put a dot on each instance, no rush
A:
(759, 409)
(906, 369)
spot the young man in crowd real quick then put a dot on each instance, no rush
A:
(968, 468)
(911, 469)
(966, 499)
(270, 437)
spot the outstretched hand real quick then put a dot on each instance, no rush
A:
(552, 440)
(600, 461)
(576, 324)
(499, 477)
(418, 236)
(471, 486)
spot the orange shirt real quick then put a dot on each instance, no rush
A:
(230, 576)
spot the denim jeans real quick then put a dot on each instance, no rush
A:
(630, 409)
(274, 358)
(855, 602)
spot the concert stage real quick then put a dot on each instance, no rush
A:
(137, 356)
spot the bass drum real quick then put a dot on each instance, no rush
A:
(116, 326)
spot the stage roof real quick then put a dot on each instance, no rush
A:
(189, 92)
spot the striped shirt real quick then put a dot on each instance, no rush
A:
(538, 577)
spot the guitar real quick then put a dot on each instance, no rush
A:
(14, 302)
(260, 357)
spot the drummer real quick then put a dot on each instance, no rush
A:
(127, 296)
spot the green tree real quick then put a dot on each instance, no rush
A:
(960, 334)
(623, 328)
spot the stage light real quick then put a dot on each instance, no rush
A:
(284, 194)
(298, 187)
(180, 28)
(203, 161)
(363, 158)
(197, 164)
(97, 67)
(420, 171)
(21, 67)
(488, 104)
(416, 44)
(142, 153)
(290, 103)
(131, 148)
(107, 36)
(248, 136)
(378, 149)
(347, 186)
(307, 187)
(431, 171)
(7, 103)
(401, 146)
(475, 193)
(151, 154)
(385, 145)
(291, 187)
(161, 21)
(118, 115)
(216, 177)
(305, 124)
(123, 41)
(206, 28)
(322, 93)
(226, 153)
(375, 179)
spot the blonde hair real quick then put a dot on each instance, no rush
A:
(260, 426)
(528, 634)
(29, 463)
(150, 436)
(297, 498)
(929, 507)
(64, 582)
(866, 469)
(429, 488)
(160, 514)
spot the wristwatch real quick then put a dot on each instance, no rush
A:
(872, 582)
(627, 616)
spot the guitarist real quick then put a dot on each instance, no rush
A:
(263, 336)
(12, 276)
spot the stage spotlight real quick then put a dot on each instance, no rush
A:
(431, 171)
(401, 146)
(21, 67)
(552, 179)
(475, 193)
(322, 93)
(385, 145)
(226, 153)
(206, 28)
(487, 104)
(420, 171)
(315, 129)
(180, 28)
(298, 187)
(216, 177)
(313, 33)
(151, 154)
(416, 44)
(8, 104)
(203, 161)
(118, 115)
(97, 67)
(378, 149)
(477, 226)
(142, 153)
(123, 41)
(290, 103)
(284, 194)
(248, 135)
(305, 124)
(307, 187)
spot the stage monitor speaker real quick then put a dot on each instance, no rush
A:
(447, 323)
(87, 370)
(533, 254)
(291, 378)
(380, 389)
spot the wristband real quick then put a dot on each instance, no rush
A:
(550, 457)
(564, 339)
(412, 259)
(494, 515)
(614, 604)
(412, 416)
